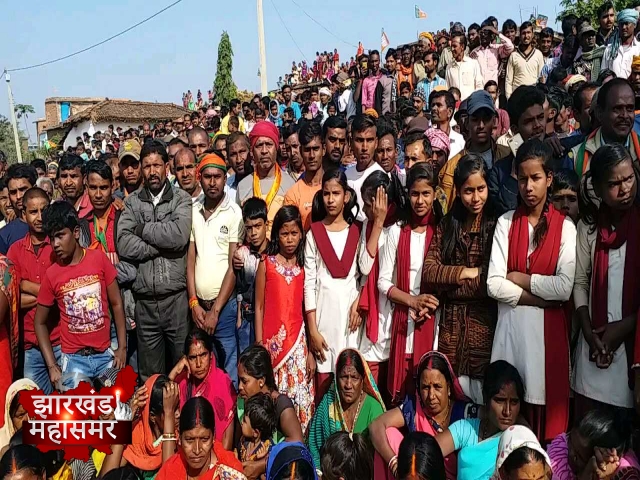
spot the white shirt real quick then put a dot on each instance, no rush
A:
(355, 179)
(346, 103)
(456, 143)
(519, 336)
(465, 76)
(155, 199)
(620, 61)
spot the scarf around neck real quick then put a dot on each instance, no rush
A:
(273, 191)
(338, 268)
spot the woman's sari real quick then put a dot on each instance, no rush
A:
(227, 467)
(329, 417)
(7, 431)
(9, 335)
(215, 387)
(476, 456)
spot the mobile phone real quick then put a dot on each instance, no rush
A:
(515, 143)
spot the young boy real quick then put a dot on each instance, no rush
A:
(564, 193)
(82, 282)
(258, 425)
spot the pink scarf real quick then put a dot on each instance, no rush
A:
(369, 85)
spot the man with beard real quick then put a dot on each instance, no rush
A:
(334, 135)
(19, 179)
(312, 151)
(267, 181)
(607, 25)
(295, 165)
(525, 64)
(238, 163)
(130, 174)
(154, 232)
(216, 232)
(431, 79)
(364, 143)
(185, 164)
(624, 46)
(489, 53)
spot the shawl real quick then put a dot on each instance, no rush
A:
(9, 285)
(275, 186)
(142, 453)
(543, 261)
(338, 268)
(405, 74)
(594, 56)
(215, 387)
(7, 431)
(423, 333)
(515, 437)
(228, 467)
(284, 454)
(369, 85)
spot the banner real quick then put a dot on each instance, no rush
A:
(420, 13)
(384, 41)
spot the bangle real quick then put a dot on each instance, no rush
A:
(193, 302)
(393, 459)
(168, 437)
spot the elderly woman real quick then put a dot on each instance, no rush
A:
(14, 412)
(438, 403)
(351, 404)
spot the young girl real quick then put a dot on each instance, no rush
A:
(380, 195)
(331, 292)
(401, 262)
(279, 322)
(531, 272)
(456, 268)
(605, 293)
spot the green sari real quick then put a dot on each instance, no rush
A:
(329, 416)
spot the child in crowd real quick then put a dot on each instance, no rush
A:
(564, 193)
(531, 272)
(401, 262)
(234, 124)
(83, 284)
(258, 425)
(280, 327)
(347, 455)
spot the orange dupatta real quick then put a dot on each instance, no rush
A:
(257, 192)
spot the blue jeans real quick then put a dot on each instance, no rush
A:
(246, 332)
(225, 339)
(35, 368)
(77, 368)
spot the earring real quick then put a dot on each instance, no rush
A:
(261, 384)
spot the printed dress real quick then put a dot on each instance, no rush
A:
(284, 335)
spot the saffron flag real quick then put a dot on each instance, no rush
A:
(420, 13)
(384, 41)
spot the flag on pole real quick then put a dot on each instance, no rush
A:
(384, 41)
(420, 13)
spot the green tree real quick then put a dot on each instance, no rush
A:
(223, 86)
(589, 8)
(23, 111)
(7, 143)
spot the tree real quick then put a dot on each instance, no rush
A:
(589, 8)
(23, 111)
(7, 143)
(223, 86)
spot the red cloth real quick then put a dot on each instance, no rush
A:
(84, 207)
(80, 292)
(217, 388)
(423, 334)
(370, 294)
(6, 372)
(33, 266)
(543, 261)
(264, 129)
(338, 268)
(176, 467)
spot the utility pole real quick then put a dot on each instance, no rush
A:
(12, 112)
(263, 51)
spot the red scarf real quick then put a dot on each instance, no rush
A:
(338, 268)
(423, 334)
(543, 261)
(176, 469)
(607, 239)
(370, 294)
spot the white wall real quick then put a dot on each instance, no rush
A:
(91, 128)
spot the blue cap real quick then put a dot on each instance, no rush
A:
(479, 100)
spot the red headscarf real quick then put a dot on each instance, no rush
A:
(264, 129)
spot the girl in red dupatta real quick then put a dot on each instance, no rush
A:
(331, 292)
(9, 306)
(531, 272)
(401, 262)
(209, 460)
(278, 305)
(380, 196)
(608, 261)
(197, 375)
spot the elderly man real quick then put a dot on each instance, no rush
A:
(267, 181)
(620, 52)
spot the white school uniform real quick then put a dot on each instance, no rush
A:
(379, 351)
(519, 337)
(331, 298)
(388, 275)
(608, 385)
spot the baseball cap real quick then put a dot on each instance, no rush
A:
(584, 28)
(130, 148)
(418, 125)
(479, 100)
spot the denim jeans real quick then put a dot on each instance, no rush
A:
(246, 332)
(77, 368)
(35, 368)
(225, 339)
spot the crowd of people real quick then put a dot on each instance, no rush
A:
(438, 284)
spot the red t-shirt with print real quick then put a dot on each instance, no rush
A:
(80, 291)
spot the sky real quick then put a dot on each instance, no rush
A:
(177, 50)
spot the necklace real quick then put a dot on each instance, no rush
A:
(355, 417)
